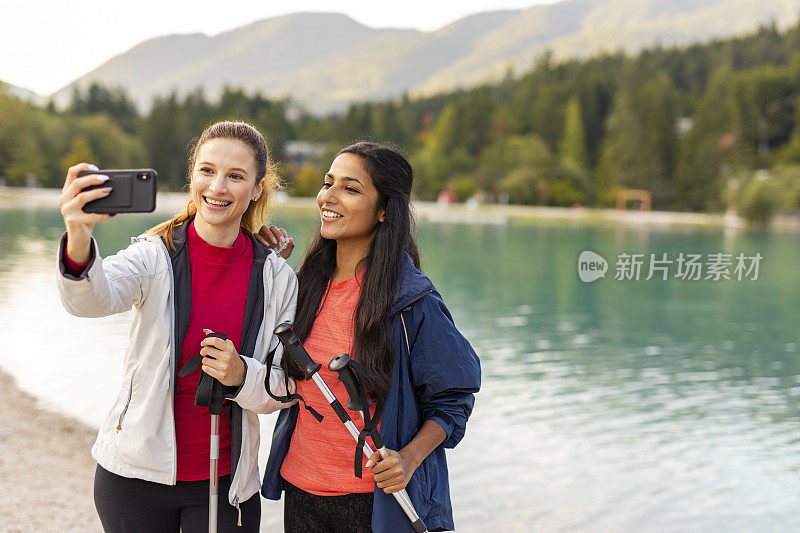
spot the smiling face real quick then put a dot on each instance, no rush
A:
(348, 202)
(224, 183)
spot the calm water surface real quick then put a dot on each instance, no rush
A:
(607, 406)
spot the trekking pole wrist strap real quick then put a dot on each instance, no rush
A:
(289, 397)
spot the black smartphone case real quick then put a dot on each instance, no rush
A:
(134, 191)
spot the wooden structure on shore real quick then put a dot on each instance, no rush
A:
(645, 198)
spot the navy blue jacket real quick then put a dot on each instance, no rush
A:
(436, 381)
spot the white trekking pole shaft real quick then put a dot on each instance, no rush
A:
(213, 486)
(209, 395)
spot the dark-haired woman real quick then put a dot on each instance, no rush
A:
(201, 271)
(360, 292)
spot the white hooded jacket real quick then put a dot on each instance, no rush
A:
(137, 438)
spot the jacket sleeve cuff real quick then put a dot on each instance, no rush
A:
(232, 391)
(248, 383)
(76, 269)
(253, 395)
(63, 264)
(444, 420)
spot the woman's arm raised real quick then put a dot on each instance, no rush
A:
(105, 287)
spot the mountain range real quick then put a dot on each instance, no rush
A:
(21, 92)
(326, 60)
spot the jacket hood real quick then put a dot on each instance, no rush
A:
(413, 286)
(179, 234)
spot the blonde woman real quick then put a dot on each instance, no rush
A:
(199, 272)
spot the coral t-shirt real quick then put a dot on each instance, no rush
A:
(320, 456)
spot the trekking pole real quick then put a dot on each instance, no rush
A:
(209, 393)
(345, 369)
(213, 486)
(291, 345)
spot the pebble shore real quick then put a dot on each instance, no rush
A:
(46, 469)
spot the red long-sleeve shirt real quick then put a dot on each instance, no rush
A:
(220, 279)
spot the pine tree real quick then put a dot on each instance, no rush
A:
(80, 152)
(572, 148)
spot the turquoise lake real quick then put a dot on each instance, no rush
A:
(612, 405)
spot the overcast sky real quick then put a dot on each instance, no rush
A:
(46, 44)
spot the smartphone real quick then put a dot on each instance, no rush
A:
(134, 191)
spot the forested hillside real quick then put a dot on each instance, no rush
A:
(327, 60)
(703, 128)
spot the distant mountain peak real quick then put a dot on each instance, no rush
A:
(21, 92)
(326, 60)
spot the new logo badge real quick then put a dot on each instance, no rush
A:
(591, 266)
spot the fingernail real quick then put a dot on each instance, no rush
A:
(107, 189)
(102, 177)
(92, 167)
(369, 463)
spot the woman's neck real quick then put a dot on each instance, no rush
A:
(222, 236)
(348, 256)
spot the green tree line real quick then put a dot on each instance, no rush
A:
(702, 128)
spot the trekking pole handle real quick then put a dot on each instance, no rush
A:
(356, 402)
(296, 351)
(341, 365)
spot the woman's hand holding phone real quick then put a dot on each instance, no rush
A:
(79, 224)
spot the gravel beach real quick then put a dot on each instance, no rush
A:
(46, 469)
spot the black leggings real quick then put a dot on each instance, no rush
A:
(130, 505)
(308, 513)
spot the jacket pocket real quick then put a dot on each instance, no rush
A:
(127, 403)
(418, 490)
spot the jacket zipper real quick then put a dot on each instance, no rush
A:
(125, 409)
(172, 357)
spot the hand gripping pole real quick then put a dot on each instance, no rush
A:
(299, 355)
(209, 394)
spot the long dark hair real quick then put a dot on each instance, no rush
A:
(392, 176)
